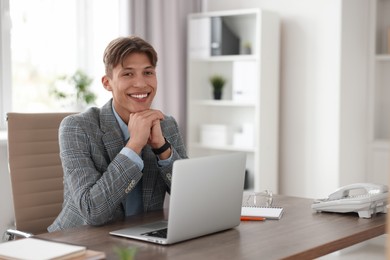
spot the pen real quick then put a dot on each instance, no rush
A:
(246, 218)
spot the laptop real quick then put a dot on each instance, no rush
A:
(206, 197)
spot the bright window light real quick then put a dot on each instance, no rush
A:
(50, 39)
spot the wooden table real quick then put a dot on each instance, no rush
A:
(300, 234)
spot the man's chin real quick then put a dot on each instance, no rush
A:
(139, 109)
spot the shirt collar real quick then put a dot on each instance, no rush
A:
(122, 124)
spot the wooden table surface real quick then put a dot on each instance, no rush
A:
(300, 234)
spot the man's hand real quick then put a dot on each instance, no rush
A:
(144, 128)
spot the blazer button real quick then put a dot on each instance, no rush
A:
(169, 176)
(131, 186)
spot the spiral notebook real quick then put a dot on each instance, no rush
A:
(259, 204)
(266, 212)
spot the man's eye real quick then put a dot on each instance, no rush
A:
(149, 73)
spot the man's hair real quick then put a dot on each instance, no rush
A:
(119, 48)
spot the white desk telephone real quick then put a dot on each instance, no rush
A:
(373, 200)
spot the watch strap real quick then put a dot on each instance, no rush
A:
(163, 148)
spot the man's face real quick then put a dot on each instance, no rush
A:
(133, 86)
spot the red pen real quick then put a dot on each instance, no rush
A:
(246, 218)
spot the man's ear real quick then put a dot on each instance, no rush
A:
(106, 83)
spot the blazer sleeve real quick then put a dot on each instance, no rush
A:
(94, 184)
(171, 132)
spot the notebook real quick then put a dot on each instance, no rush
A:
(206, 197)
(31, 248)
(266, 212)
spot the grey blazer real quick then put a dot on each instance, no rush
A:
(97, 177)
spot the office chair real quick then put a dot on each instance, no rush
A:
(35, 170)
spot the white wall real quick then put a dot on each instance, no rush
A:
(323, 83)
(354, 92)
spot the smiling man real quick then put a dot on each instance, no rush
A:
(118, 159)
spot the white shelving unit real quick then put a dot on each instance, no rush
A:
(379, 93)
(247, 122)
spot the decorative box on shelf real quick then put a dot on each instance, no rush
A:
(215, 134)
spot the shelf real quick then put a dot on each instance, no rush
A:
(224, 147)
(223, 103)
(379, 93)
(249, 11)
(251, 81)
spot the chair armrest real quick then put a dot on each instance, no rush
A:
(10, 234)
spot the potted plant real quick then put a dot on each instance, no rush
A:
(124, 253)
(217, 82)
(79, 95)
(247, 48)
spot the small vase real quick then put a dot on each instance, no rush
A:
(247, 50)
(217, 95)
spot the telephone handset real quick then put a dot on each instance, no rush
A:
(372, 200)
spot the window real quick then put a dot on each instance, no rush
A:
(49, 39)
(5, 60)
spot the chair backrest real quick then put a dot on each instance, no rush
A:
(35, 169)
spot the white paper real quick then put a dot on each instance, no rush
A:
(37, 249)
(270, 213)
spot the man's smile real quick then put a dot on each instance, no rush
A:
(139, 96)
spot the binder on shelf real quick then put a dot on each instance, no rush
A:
(245, 81)
(199, 38)
(223, 39)
(213, 134)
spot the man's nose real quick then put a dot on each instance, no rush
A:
(139, 81)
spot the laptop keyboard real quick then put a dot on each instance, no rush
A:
(162, 233)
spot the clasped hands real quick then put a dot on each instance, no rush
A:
(145, 128)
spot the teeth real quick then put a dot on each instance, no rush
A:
(139, 95)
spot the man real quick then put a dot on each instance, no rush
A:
(117, 159)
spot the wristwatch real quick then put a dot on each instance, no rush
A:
(163, 148)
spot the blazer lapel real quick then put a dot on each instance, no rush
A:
(112, 136)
